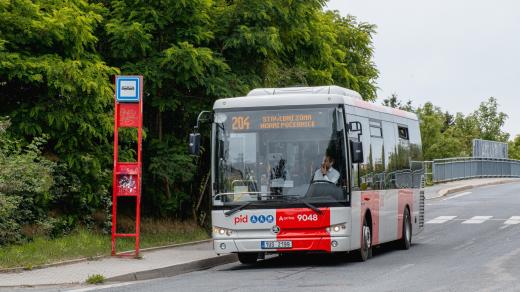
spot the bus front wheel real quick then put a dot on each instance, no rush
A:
(365, 251)
(248, 258)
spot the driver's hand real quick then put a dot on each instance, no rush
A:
(323, 169)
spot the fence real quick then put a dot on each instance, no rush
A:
(469, 167)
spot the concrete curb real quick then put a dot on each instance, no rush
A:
(176, 269)
(75, 261)
(448, 191)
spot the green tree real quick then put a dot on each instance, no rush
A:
(25, 183)
(394, 102)
(514, 148)
(491, 121)
(53, 82)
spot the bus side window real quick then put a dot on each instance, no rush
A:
(403, 133)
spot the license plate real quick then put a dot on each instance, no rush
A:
(276, 244)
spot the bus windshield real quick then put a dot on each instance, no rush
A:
(280, 157)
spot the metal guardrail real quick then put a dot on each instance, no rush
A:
(469, 167)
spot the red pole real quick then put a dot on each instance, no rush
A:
(114, 177)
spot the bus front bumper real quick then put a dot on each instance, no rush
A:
(323, 244)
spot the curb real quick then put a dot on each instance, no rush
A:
(175, 270)
(75, 261)
(448, 191)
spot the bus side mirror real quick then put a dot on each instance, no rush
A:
(356, 151)
(194, 146)
(356, 127)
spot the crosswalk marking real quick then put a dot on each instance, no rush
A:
(477, 219)
(513, 220)
(441, 219)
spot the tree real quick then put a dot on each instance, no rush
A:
(25, 183)
(52, 82)
(490, 121)
(394, 102)
(514, 148)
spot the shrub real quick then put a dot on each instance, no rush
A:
(25, 182)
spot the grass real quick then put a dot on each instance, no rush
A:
(95, 279)
(84, 243)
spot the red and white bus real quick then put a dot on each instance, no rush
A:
(312, 169)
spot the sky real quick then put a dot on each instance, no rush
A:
(453, 53)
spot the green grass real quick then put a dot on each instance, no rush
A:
(88, 244)
(95, 279)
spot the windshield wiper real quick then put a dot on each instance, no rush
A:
(309, 205)
(237, 208)
(312, 207)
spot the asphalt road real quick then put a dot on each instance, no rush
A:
(451, 254)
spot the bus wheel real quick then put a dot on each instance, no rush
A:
(247, 258)
(406, 237)
(365, 252)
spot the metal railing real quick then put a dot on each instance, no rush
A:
(469, 167)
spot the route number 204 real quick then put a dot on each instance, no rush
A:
(310, 217)
(240, 123)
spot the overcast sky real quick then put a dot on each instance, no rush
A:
(454, 53)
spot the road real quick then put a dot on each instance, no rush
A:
(471, 242)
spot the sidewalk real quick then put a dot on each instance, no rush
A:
(154, 264)
(441, 190)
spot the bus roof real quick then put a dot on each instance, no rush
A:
(294, 96)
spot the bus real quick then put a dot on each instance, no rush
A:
(312, 169)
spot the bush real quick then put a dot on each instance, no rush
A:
(10, 230)
(25, 182)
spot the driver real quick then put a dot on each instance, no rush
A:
(326, 171)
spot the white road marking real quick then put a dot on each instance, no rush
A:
(457, 196)
(441, 219)
(513, 220)
(477, 219)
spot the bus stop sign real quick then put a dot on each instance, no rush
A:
(128, 88)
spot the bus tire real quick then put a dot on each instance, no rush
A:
(365, 252)
(247, 258)
(406, 238)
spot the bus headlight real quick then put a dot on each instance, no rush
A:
(219, 231)
(336, 228)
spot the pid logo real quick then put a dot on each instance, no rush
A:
(241, 219)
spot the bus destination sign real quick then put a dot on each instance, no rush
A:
(279, 120)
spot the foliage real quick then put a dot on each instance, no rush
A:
(394, 102)
(9, 226)
(54, 83)
(95, 279)
(25, 183)
(490, 121)
(514, 148)
(446, 135)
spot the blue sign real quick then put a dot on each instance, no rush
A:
(269, 218)
(261, 218)
(254, 219)
(128, 88)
